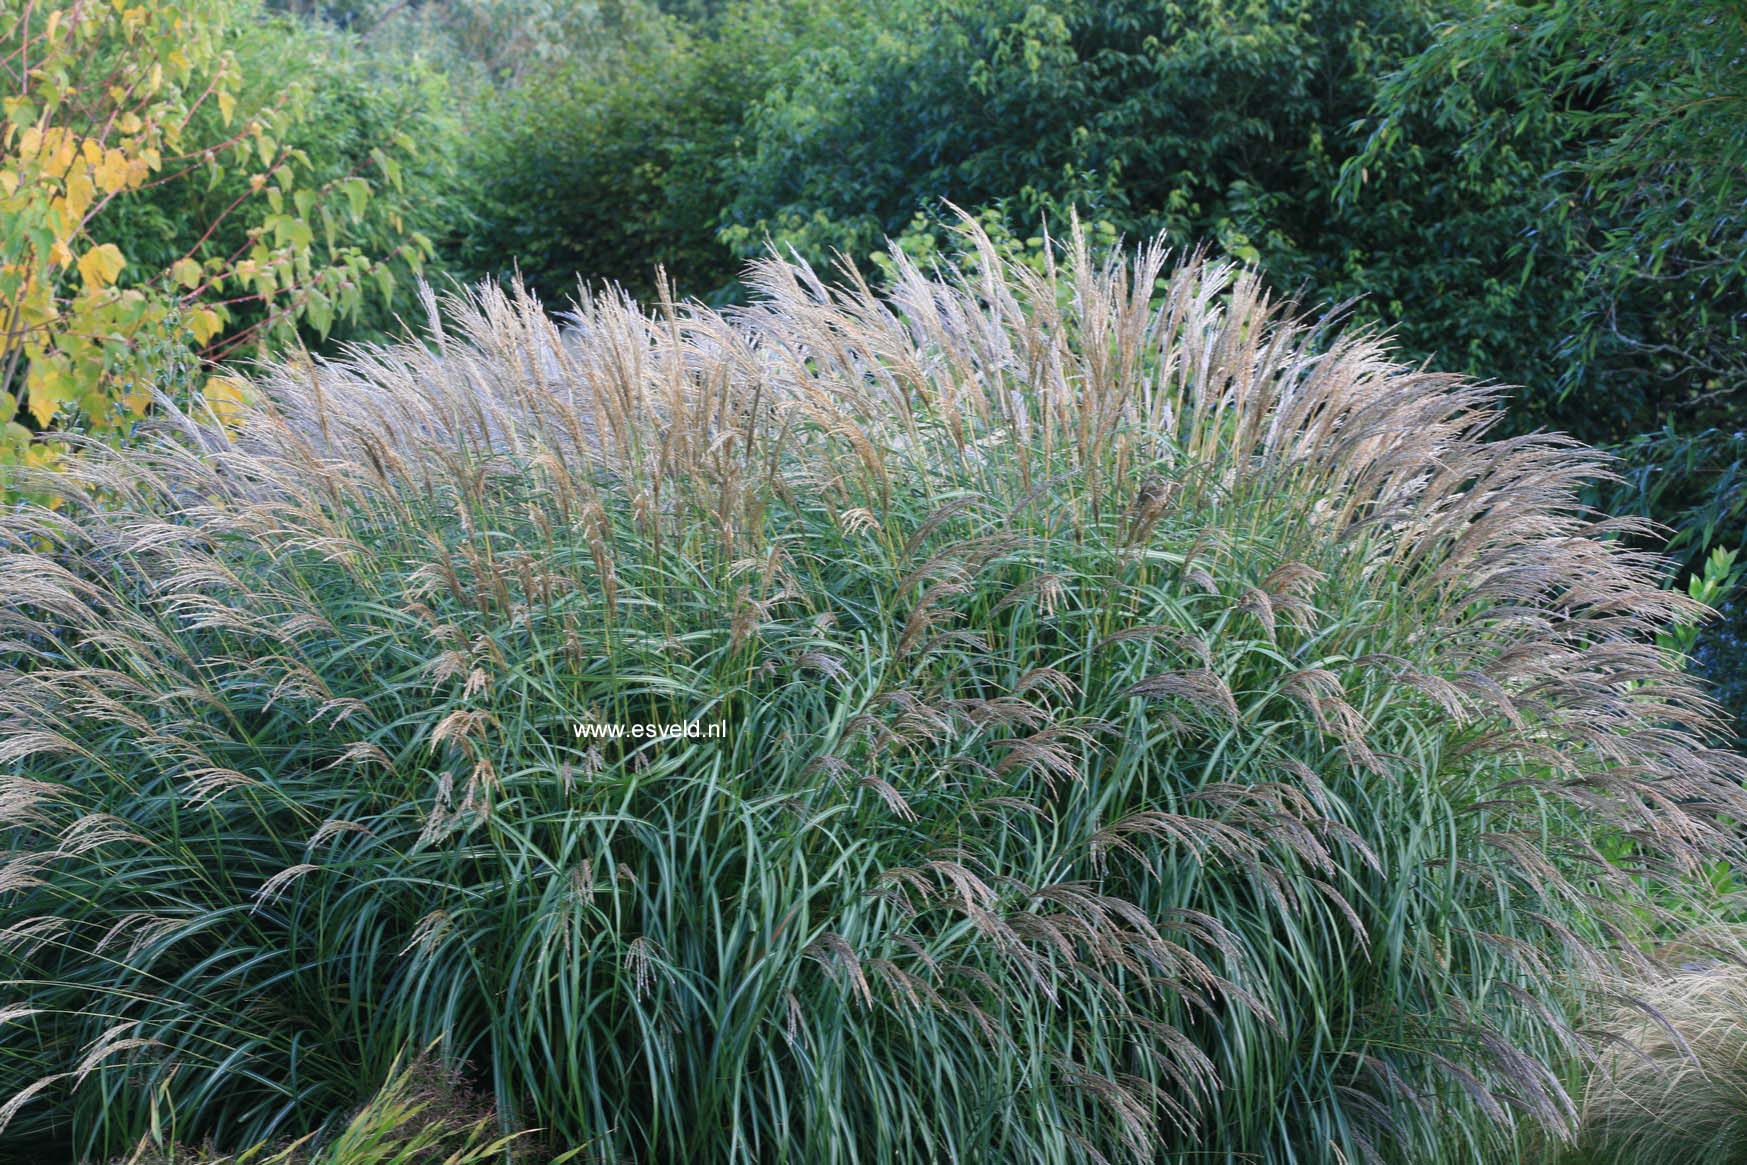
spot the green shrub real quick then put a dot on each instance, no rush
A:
(832, 128)
(588, 173)
(610, 164)
(1220, 120)
(1696, 487)
(1153, 727)
(482, 43)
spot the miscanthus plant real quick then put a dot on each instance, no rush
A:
(1154, 729)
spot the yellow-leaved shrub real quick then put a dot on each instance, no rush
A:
(100, 103)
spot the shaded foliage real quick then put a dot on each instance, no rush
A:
(1626, 125)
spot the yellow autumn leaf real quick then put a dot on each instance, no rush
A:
(37, 307)
(62, 153)
(61, 219)
(186, 272)
(227, 106)
(92, 150)
(80, 192)
(100, 265)
(204, 323)
(112, 171)
(45, 391)
(226, 396)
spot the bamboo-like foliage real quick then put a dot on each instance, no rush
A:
(1156, 729)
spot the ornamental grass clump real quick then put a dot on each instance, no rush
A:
(1150, 727)
(1671, 1088)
